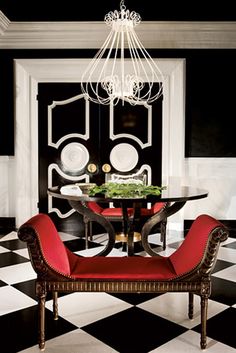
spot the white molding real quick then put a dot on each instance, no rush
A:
(84, 136)
(29, 72)
(86, 35)
(55, 167)
(114, 136)
(4, 23)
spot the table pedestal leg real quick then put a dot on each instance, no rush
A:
(157, 218)
(81, 208)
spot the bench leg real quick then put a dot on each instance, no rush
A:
(204, 305)
(55, 305)
(190, 305)
(41, 324)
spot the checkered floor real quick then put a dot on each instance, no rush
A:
(104, 323)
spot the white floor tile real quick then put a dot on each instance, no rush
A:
(17, 273)
(9, 236)
(189, 342)
(66, 236)
(227, 254)
(76, 341)
(167, 252)
(12, 299)
(22, 252)
(95, 251)
(174, 307)
(2, 250)
(84, 308)
(90, 252)
(228, 241)
(228, 273)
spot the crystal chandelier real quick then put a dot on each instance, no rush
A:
(122, 69)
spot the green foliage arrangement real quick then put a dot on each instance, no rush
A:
(126, 190)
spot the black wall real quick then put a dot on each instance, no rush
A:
(210, 91)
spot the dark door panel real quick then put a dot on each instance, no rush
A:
(78, 139)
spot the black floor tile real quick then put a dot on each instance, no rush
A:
(27, 287)
(221, 327)
(19, 329)
(134, 331)
(137, 247)
(14, 244)
(2, 284)
(10, 258)
(223, 291)
(221, 265)
(135, 299)
(79, 244)
(230, 245)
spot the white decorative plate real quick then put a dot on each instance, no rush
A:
(124, 157)
(74, 156)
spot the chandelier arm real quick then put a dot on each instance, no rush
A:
(115, 56)
(87, 75)
(137, 40)
(138, 63)
(104, 66)
(156, 77)
(149, 59)
(136, 66)
(122, 64)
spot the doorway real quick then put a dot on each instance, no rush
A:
(30, 72)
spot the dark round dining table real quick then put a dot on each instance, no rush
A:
(175, 197)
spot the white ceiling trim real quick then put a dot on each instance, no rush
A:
(4, 23)
(86, 35)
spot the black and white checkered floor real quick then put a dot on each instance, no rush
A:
(104, 323)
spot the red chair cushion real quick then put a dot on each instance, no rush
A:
(123, 268)
(154, 209)
(109, 211)
(115, 212)
(191, 251)
(94, 207)
(53, 249)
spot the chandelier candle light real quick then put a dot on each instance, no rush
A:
(122, 68)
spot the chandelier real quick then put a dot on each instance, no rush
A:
(122, 69)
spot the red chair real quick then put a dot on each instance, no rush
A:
(114, 214)
(58, 269)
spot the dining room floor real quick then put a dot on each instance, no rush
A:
(105, 323)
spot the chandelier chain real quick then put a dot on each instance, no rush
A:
(122, 5)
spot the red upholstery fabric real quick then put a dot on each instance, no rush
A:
(154, 209)
(94, 207)
(123, 268)
(109, 211)
(183, 260)
(51, 245)
(191, 251)
(115, 212)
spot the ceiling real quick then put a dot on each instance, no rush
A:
(150, 10)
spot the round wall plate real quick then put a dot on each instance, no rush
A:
(74, 157)
(124, 157)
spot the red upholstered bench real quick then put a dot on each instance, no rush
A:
(188, 269)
